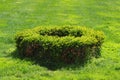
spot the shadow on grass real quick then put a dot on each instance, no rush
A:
(49, 64)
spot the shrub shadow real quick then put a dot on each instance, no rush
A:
(51, 65)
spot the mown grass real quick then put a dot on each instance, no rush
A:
(16, 15)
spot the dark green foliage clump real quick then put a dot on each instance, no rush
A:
(60, 44)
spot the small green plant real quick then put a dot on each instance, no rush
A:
(60, 44)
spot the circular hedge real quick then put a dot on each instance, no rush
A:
(60, 44)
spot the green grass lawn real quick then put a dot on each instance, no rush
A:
(16, 15)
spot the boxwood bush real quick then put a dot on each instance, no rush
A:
(60, 44)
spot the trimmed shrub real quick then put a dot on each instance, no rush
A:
(60, 44)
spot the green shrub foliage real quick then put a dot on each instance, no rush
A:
(60, 44)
